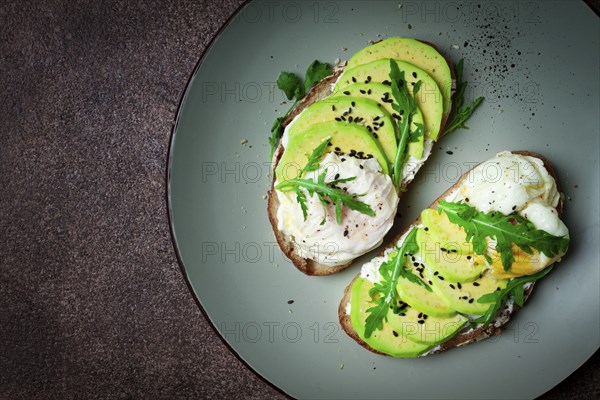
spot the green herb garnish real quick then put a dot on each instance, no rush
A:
(514, 288)
(406, 106)
(327, 192)
(462, 113)
(295, 89)
(384, 292)
(505, 230)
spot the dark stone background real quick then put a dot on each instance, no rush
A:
(92, 301)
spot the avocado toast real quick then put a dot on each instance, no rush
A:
(377, 118)
(460, 271)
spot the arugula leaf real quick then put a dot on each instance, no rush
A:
(416, 135)
(505, 229)
(291, 85)
(462, 114)
(515, 288)
(293, 88)
(406, 106)
(327, 192)
(315, 72)
(384, 293)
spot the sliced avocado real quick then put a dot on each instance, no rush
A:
(386, 340)
(444, 233)
(382, 94)
(352, 110)
(429, 99)
(444, 258)
(420, 298)
(423, 328)
(345, 137)
(415, 52)
(462, 297)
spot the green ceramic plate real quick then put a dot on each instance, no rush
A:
(536, 64)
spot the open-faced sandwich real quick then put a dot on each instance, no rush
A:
(351, 143)
(458, 272)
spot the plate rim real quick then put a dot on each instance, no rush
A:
(182, 268)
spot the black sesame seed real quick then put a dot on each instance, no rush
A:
(415, 264)
(452, 286)
(464, 297)
(514, 208)
(425, 316)
(468, 257)
(420, 315)
(444, 249)
(290, 301)
(414, 74)
(363, 91)
(440, 277)
(435, 273)
(347, 93)
(343, 159)
(395, 333)
(426, 229)
(346, 233)
(353, 104)
(353, 79)
(475, 284)
(337, 176)
(450, 152)
(332, 108)
(376, 136)
(459, 285)
(421, 321)
(386, 82)
(431, 283)
(401, 112)
(350, 119)
(338, 149)
(369, 91)
(338, 119)
(376, 118)
(470, 301)
(361, 167)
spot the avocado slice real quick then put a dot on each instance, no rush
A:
(445, 233)
(415, 52)
(444, 257)
(420, 298)
(382, 93)
(423, 328)
(462, 297)
(429, 99)
(386, 340)
(345, 137)
(352, 110)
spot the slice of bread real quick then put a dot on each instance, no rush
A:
(318, 92)
(467, 334)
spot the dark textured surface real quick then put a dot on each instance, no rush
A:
(92, 301)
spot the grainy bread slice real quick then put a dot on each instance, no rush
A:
(466, 335)
(287, 246)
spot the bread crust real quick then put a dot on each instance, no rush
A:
(467, 334)
(317, 92)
